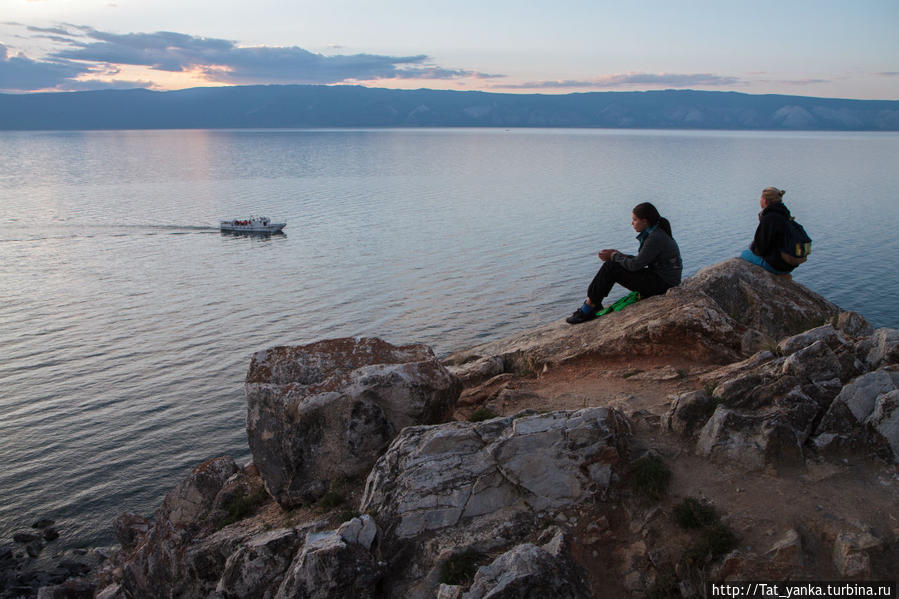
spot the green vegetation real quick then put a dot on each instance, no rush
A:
(650, 477)
(460, 568)
(330, 500)
(482, 414)
(241, 505)
(716, 541)
(692, 513)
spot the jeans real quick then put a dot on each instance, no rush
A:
(645, 281)
(759, 261)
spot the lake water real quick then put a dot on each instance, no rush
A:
(127, 320)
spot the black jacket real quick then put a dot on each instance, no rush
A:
(658, 253)
(770, 236)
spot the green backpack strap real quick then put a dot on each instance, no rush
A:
(631, 298)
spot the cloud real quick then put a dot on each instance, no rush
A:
(96, 84)
(793, 82)
(426, 72)
(888, 73)
(668, 80)
(20, 73)
(80, 50)
(56, 30)
(804, 81)
(223, 61)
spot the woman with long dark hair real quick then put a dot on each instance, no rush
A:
(654, 270)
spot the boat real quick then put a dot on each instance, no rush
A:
(253, 224)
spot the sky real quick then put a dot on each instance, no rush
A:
(823, 48)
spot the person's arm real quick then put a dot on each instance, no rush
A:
(768, 236)
(606, 255)
(651, 249)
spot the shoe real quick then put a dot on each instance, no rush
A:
(579, 316)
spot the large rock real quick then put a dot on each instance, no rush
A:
(688, 413)
(484, 487)
(884, 421)
(183, 553)
(438, 477)
(865, 413)
(329, 567)
(825, 333)
(130, 529)
(755, 440)
(814, 364)
(723, 313)
(192, 500)
(854, 324)
(884, 348)
(528, 570)
(259, 564)
(327, 410)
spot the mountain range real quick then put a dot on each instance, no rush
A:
(314, 106)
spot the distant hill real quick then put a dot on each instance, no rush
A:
(300, 106)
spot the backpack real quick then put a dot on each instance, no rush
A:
(797, 244)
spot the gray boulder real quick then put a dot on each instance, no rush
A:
(192, 500)
(884, 348)
(826, 334)
(178, 556)
(439, 477)
(478, 370)
(328, 567)
(860, 396)
(688, 413)
(327, 410)
(527, 571)
(259, 564)
(130, 529)
(854, 324)
(864, 414)
(770, 305)
(814, 363)
(723, 313)
(755, 440)
(884, 423)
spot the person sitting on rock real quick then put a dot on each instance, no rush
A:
(654, 270)
(765, 249)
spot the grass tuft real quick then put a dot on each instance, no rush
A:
(716, 541)
(460, 568)
(482, 414)
(330, 500)
(651, 477)
(692, 513)
(240, 506)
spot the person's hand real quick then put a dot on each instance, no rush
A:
(606, 255)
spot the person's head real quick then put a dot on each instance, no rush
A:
(646, 215)
(771, 196)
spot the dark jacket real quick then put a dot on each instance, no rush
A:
(658, 253)
(770, 236)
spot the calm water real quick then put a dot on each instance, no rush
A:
(127, 320)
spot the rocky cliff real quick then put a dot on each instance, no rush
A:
(740, 427)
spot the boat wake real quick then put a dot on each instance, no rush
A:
(73, 231)
(180, 228)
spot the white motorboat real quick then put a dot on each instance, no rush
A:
(254, 224)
